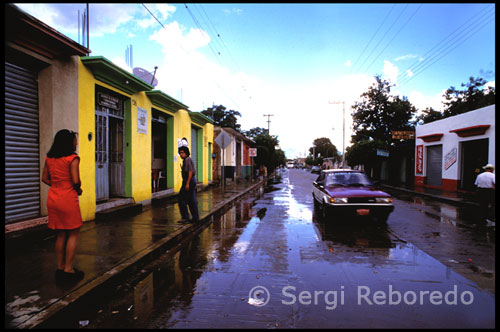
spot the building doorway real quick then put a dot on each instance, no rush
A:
(109, 145)
(474, 156)
(434, 165)
(158, 151)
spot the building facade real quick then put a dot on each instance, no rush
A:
(237, 161)
(450, 153)
(128, 132)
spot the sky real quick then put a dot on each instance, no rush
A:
(303, 64)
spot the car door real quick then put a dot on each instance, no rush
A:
(317, 187)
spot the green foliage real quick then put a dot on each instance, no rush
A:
(375, 117)
(471, 98)
(324, 147)
(223, 118)
(429, 115)
(378, 113)
(267, 154)
(474, 96)
(254, 132)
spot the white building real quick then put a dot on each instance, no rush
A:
(450, 153)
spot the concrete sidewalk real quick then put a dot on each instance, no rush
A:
(457, 198)
(107, 249)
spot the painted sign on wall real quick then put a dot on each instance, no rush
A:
(450, 158)
(419, 160)
(142, 120)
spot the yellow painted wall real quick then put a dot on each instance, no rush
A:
(86, 127)
(182, 128)
(208, 137)
(140, 143)
(141, 150)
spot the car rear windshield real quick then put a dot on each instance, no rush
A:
(347, 179)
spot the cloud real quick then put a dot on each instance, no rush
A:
(409, 73)
(348, 63)
(406, 57)
(390, 72)
(104, 18)
(422, 102)
(235, 11)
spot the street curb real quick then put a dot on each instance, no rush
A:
(59, 306)
(453, 201)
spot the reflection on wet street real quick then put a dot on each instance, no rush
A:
(268, 262)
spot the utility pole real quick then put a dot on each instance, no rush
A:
(268, 122)
(343, 129)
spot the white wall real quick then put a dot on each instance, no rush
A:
(481, 116)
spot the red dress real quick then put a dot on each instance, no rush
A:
(62, 201)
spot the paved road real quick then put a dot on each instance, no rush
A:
(268, 263)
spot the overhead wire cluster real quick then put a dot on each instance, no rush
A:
(214, 47)
(449, 43)
(468, 29)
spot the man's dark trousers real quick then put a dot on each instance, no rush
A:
(188, 198)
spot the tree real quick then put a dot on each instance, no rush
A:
(474, 96)
(324, 147)
(379, 113)
(428, 115)
(267, 154)
(375, 117)
(254, 132)
(223, 118)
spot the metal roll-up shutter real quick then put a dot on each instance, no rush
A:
(434, 165)
(22, 167)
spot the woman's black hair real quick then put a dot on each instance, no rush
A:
(185, 149)
(63, 144)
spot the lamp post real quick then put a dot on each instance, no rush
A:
(343, 129)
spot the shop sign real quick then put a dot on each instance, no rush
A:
(420, 159)
(383, 153)
(403, 134)
(142, 120)
(450, 158)
(108, 101)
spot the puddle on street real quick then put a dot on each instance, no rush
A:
(275, 241)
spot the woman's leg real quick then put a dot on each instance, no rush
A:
(60, 249)
(71, 244)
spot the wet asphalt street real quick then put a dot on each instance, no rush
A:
(267, 262)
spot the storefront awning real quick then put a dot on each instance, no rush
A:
(109, 73)
(471, 131)
(431, 137)
(161, 99)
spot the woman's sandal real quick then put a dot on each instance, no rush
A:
(77, 275)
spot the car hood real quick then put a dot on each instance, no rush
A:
(355, 192)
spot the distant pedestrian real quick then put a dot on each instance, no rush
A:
(62, 173)
(485, 183)
(187, 194)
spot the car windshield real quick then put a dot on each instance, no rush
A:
(347, 179)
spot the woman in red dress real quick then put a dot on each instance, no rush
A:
(62, 173)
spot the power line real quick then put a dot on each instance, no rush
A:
(440, 54)
(381, 24)
(218, 40)
(397, 33)
(397, 19)
(188, 53)
(440, 44)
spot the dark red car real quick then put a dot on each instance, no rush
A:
(342, 193)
